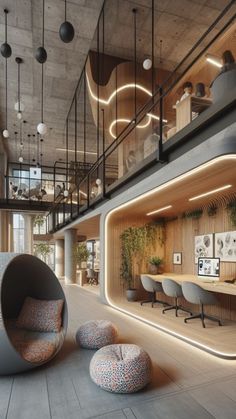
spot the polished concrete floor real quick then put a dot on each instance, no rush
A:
(187, 383)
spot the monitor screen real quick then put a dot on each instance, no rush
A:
(209, 267)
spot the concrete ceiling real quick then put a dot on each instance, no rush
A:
(179, 23)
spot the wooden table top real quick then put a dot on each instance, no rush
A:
(216, 286)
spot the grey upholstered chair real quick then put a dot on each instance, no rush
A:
(173, 289)
(197, 295)
(151, 286)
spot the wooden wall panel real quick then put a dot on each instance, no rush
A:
(179, 238)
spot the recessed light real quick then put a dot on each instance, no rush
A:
(159, 210)
(222, 188)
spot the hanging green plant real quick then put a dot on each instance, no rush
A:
(212, 210)
(135, 243)
(39, 220)
(195, 214)
(231, 207)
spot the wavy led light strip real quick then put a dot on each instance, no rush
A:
(116, 121)
(130, 314)
(116, 91)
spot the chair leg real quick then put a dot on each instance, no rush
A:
(214, 319)
(168, 308)
(151, 298)
(195, 316)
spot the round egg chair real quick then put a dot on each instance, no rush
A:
(24, 276)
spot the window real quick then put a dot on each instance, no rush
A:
(18, 233)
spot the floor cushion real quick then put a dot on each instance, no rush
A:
(121, 368)
(95, 334)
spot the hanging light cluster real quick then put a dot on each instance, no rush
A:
(66, 33)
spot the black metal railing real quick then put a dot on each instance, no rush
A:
(149, 129)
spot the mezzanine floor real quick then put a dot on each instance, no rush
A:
(187, 383)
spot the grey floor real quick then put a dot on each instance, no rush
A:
(187, 383)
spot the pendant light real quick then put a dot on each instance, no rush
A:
(18, 105)
(5, 48)
(41, 57)
(66, 30)
(6, 53)
(41, 53)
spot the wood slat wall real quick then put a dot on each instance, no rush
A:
(179, 238)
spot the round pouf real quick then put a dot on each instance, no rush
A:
(95, 334)
(121, 368)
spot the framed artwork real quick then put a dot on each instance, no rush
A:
(177, 258)
(225, 246)
(203, 246)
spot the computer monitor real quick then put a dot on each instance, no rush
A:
(209, 267)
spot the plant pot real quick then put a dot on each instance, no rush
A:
(132, 294)
(153, 269)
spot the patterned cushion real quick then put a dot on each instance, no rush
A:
(40, 315)
(95, 334)
(121, 368)
(36, 350)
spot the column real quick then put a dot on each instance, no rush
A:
(59, 258)
(70, 262)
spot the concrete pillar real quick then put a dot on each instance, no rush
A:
(59, 258)
(70, 262)
(28, 236)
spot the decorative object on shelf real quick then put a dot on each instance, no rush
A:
(225, 246)
(188, 90)
(203, 246)
(18, 105)
(147, 64)
(177, 258)
(5, 47)
(226, 79)
(41, 53)
(231, 207)
(66, 30)
(200, 90)
(155, 265)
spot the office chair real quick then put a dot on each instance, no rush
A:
(197, 295)
(151, 286)
(173, 289)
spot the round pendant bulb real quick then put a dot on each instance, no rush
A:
(66, 193)
(19, 115)
(5, 133)
(66, 32)
(147, 64)
(41, 55)
(21, 159)
(42, 128)
(6, 50)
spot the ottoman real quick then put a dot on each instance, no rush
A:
(95, 334)
(121, 368)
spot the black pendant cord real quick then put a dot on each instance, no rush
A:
(67, 154)
(42, 104)
(6, 12)
(18, 87)
(153, 35)
(160, 51)
(6, 93)
(135, 62)
(65, 11)
(43, 24)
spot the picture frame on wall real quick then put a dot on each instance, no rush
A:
(225, 246)
(203, 246)
(177, 258)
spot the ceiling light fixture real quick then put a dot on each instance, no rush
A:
(216, 61)
(159, 210)
(5, 47)
(222, 188)
(147, 64)
(156, 117)
(125, 120)
(41, 57)
(18, 106)
(78, 151)
(66, 30)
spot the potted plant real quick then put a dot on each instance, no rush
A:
(155, 265)
(81, 254)
(42, 250)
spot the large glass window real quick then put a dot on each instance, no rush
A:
(18, 233)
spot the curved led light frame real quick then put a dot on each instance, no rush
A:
(170, 332)
(124, 120)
